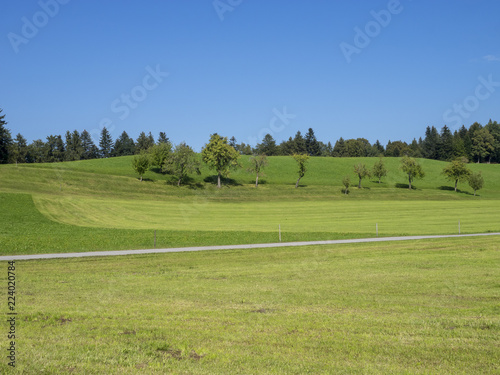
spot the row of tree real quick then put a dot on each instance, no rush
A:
(477, 143)
(221, 156)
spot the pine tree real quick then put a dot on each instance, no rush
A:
(105, 143)
(312, 144)
(162, 138)
(5, 140)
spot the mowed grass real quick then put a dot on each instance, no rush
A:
(101, 205)
(404, 307)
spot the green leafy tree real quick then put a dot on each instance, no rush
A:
(346, 181)
(361, 171)
(412, 168)
(141, 164)
(159, 153)
(257, 164)
(457, 171)
(482, 144)
(181, 162)
(5, 140)
(301, 160)
(105, 143)
(476, 181)
(36, 151)
(220, 156)
(379, 170)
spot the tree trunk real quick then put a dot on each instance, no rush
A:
(456, 182)
(409, 183)
(359, 184)
(257, 181)
(218, 180)
(379, 179)
(297, 184)
(141, 178)
(179, 181)
(345, 191)
(474, 192)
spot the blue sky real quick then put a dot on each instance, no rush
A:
(375, 69)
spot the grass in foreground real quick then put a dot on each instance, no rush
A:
(419, 308)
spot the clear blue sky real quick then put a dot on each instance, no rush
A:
(75, 64)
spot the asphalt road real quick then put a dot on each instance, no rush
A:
(230, 247)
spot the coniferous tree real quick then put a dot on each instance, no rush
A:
(89, 149)
(445, 145)
(339, 150)
(312, 144)
(299, 144)
(105, 143)
(162, 138)
(20, 149)
(124, 145)
(5, 140)
(267, 147)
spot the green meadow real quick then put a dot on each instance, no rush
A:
(421, 307)
(101, 205)
(413, 307)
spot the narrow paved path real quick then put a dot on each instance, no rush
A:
(231, 247)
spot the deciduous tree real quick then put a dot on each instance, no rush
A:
(361, 171)
(257, 164)
(412, 168)
(219, 155)
(301, 160)
(476, 181)
(346, 181)
(379, 170)
(141, 164)
(457, 171)
(181, 162)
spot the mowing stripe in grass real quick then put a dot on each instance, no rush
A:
(232, 247)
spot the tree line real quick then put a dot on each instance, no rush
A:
(222, 157)
(477, 143)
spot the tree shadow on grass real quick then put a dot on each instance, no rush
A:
(404, 186)
(451, 188)
(224, 181)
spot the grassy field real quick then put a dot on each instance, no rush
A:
(101, 205)
(409, 307)
(387, 308)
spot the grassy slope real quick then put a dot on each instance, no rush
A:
(419, 308)
(100, 204)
